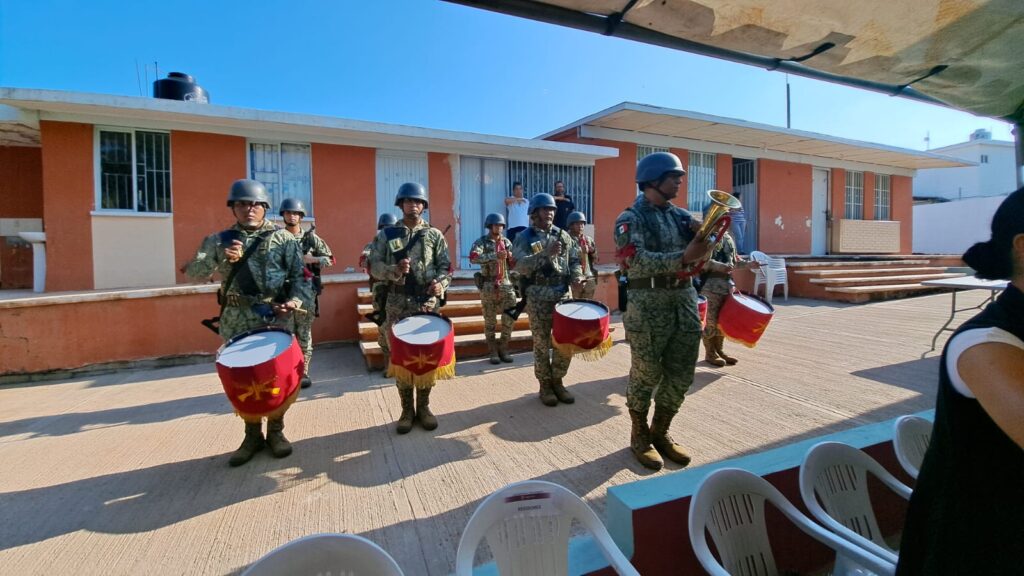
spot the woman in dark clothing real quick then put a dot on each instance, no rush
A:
(966, 515)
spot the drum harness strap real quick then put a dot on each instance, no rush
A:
(247, 281)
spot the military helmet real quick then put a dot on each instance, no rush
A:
(292, 205)
(413, 190)
(492, 219)
(386, 219)
(574, 217)
(654, 166)
(248, 191)
(542, 200)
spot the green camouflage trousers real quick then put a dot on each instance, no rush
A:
(304, 334)
(548, 362)
(586, 290)
(495, 301)
(237, 319)
(400, 306)
(715, 302)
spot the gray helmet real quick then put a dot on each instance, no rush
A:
(492, 219)
(248, 191)
(386, 219)
(574, 217)
(414, 191)
(541, 200)
(292, 205)
(654, 166)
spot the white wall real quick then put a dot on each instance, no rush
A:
(997, 177)
(952, 227)
(132, 251)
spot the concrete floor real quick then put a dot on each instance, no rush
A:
(127, 472)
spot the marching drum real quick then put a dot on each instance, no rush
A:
(260, 371)
(422, 349)
(702, 311)
(580, 328)
(744, 318)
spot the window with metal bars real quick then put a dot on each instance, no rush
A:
(285, 170)
(645, 150)
(883, 197)
(134, 171)
(854, 204)
(700, 177)
(539, 177)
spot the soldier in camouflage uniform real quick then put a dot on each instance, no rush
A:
(588, 256)
(415, 283)
(316, 255)
(548, 261)
(653, 241)
(716, 287)
(269, 289)
(493, 252)
(378, 290)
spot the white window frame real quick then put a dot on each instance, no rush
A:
(274, 212)
(883, 197)
(853, 197)
(98, 173)
(984, 158)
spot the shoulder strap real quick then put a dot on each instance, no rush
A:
(237, 266)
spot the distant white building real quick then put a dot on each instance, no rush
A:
(993, 173)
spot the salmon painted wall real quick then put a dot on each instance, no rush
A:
(344, 204)
(204, 166)
(901, 192)
(68, 198)
(784, 207)
(723, 172)
(441, 191)
(21, 182)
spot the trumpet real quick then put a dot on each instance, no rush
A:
(713, 228)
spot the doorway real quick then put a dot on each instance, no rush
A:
(744, 181)
(819, 212)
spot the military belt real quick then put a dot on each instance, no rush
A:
(241, 300)
(656, 282)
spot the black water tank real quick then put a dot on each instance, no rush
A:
(180, 86)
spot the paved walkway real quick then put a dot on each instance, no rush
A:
(127, 472)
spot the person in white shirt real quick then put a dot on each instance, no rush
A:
(518, 217)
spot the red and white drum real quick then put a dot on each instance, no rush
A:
(580, 328)
(744, 318)
(702, 311)
(260, 371)
(422, 349)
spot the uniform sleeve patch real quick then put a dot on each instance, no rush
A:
(623, 228)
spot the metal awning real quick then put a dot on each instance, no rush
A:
(654, 125)
(961, 53)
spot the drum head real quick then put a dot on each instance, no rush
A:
(582, 309)
(422, 329)
(254, 348)
(754, 303)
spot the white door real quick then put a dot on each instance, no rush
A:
(483, 186)
(395, 168)
(819, 211)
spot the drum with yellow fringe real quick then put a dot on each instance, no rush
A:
(422, 350)
(260, 372)
(744, 318)
(580, 328)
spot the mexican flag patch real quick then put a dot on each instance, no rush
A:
(623, 228)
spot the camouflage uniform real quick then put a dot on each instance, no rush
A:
(378, 296)
(429, 261)
(497, 294)
(549, 280)
(312, 244)
(588, 259)
(276, 267)
(717, 286)
(661, 322)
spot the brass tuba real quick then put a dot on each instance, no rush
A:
(713, 228)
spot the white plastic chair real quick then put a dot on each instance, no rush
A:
(836, 475)
(910, 440)
(775, 274)
(759, 278)
(339, 554)
(730, 504)
(527, 525)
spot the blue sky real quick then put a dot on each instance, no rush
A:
(425, 63)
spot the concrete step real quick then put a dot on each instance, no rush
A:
(874, 271)
(859, 294)
(466, 346)
(461, 324)
(855, 264)
(452, 309)
(867, 281)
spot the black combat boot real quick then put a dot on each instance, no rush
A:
(424, 416)
(503, 350)
(408, 411)
(492, 347)
(719, 340)
(663, 443)
(640, 442)
(252, 444)
(547, 396)
(279, 445)
(711, 353)
(305, 382)
(563, 395)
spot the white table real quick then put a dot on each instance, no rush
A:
(965, 283)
